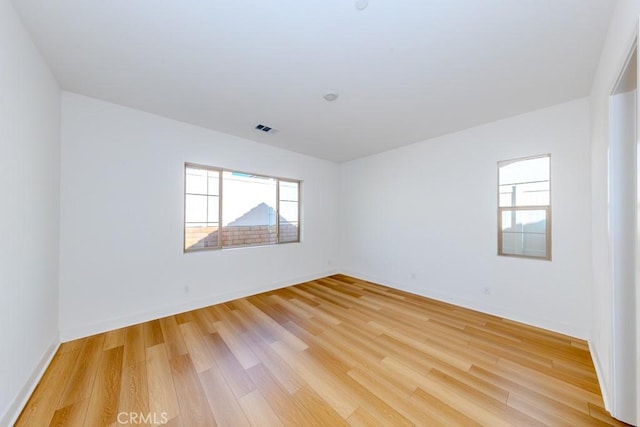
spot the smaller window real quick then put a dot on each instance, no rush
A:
(524, 207)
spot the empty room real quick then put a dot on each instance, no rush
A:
(319, 213)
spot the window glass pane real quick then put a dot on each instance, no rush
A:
(213, 209)
(289, 232)
(249, 210)
(528, 221)
(533, 194)
(289, 190)
(213, 183)
(524, 232)
(524, 244)
(195, 208)
(200, 236)
(196, 181)
(522, 171)
(288, 211)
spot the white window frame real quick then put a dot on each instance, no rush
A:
(546, 208)
(220, 172)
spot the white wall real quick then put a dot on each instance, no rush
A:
(29, 213)
(621, 29)
(122, 190)
(423, 218)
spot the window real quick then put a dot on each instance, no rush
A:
(226, 209)
(524, 207)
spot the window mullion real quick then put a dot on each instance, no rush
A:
(219, 209)
(277, 210)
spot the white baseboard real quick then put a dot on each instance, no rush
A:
(474, 305)
(12, 414)
(606, 395)
(121, 322)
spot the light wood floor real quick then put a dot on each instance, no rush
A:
(335, 351)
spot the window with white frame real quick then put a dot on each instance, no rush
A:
(225, 209)
(524, 207)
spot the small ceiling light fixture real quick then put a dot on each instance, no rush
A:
(330, 96)
(362, 4)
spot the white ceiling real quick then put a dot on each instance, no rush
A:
(405, 70)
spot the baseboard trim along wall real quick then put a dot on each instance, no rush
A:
(12, 414)
(121, 322)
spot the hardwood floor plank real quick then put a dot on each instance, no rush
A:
(197, 346)
(470, 407)
(152, 333)
(551, 412)
(134, 391)
(162, 392)
(550, 383)
(80, 382)
(320, 379)
(103, 404)
(278, 368)
(68, 346)
(497, 407)
(316, 313)
(238, 347)
(172, 337)
(205, 321)
(134, 350)
(235, 375)
(72, 415)
(361, 418)
(288, 409)
(44, 400)
(328, 358)
(278, 330)
(439, 413)
(258, 411)
(288, 304)
(387, 393)
(114, 339)
(194, 407)
(223, 403)
(333, 351)
(317, 411)
(528, 386)
(257, 328)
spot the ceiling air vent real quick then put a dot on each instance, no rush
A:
(265, 128)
